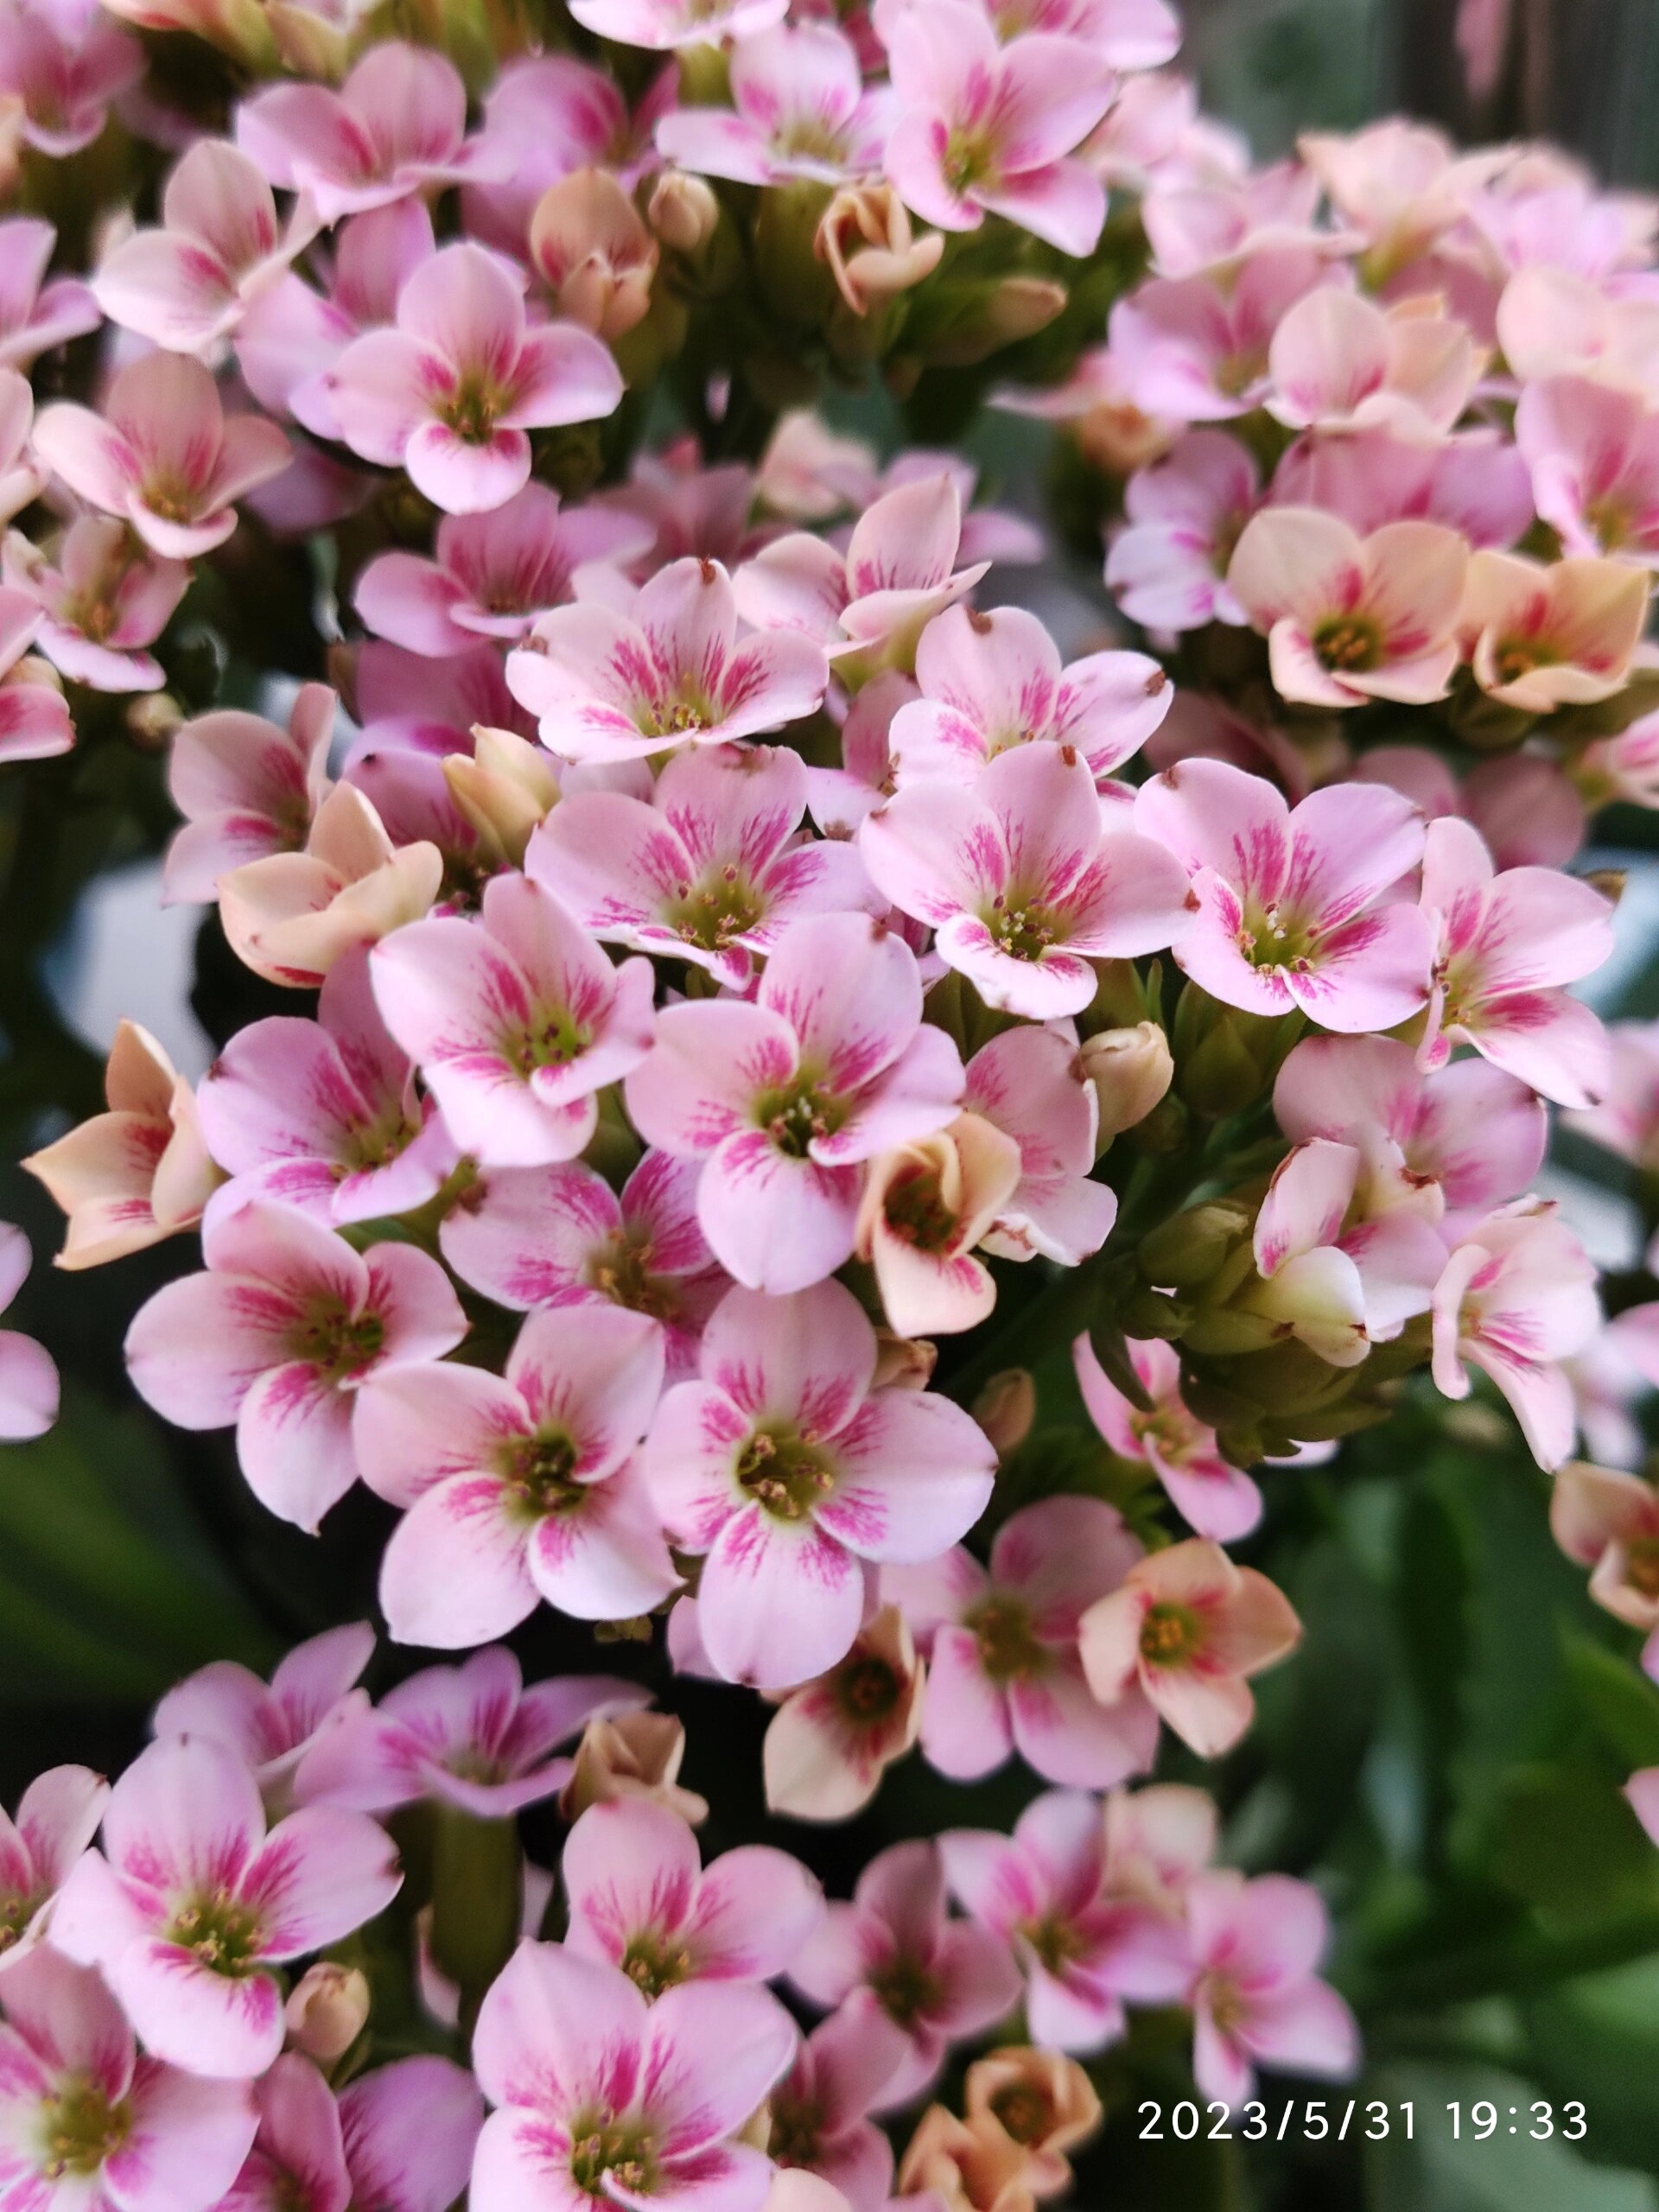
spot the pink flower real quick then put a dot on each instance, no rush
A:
(36, 316)
(1507, 944)
(802, 110)
(559, 1235)
(396, 126)
(601, 2097)
(1295, 906)
(22, 479)
(660, 24)
(1339, 361)
(163, 455)
(893, 1950)
(1470, 482)
(271, 1726)
(712, 870)
(1350, 619)
(515, 1022)
(609, 686)
(57, 1818)
(829, 1741)
(1167, 568)
(29, 1374)
(1399, 182)
(191, 1904)
(322, 1114)
(789, 1471)
(188, 284)
(1214, 1499)
(1643, 1792)
(521, 1487)
(1196, 350)
(820, 2123)
(491, 576)
(1593, 454)
(1021, 882)
(35, 722)
(986, 130)
(451, 393)
(140, 1172)
(1608, 1522)
(1346, 1249)
(1540, 637)
(1188, 1627)
(277, 1336)
(1029, 1083)
(640, 1898)
(1626, 1118)
(65, 65)
(1517, 1297)
(472, 1737)
(106, 599)
(989, 682)
(788, 1095)
(1256, 1999)
(925, 1206)
(400, 2138)
(246, 788)
(84, 2120)
(1082, 1952)
(1004, 1673)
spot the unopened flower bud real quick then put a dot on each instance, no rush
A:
(1130, 1070)
(1190, 1250)
(903, 1363)
(592, 248)
(327, 2010)
(505, 788)
(1005, 1409)
(633, 1755)
(682, 211)
(152, 718)
(995, 315)
(874, 255)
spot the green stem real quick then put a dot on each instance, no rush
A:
(477, 1891)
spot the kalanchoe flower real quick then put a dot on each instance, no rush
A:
(103, 599)
(1021, 882)
(1342, 1262)
(1213, 1498)
(1038, 2100)
(631, 1756)
(1507, 944)
(277, 1336)
(610, 686)
(1609, 1520)
(1197, 351)
(788, 1095)
(29, 1374)
(163, 455)
(790, 1472)
(590, 246)
(1082, 1951)
(711, 870)
(396, 126)
(141, 1172)
(1167, 567)
(893, 1950)
(36, 316)
(925, 1206)
(559, 1235)
(1593, 455)
(1517, 1297)
(1256, 1998)
(470, 1735)
(64, 66)
(829, 1741)
(987, 131)
(322, 1114)
(191, 1905)
(219, 246)
(22, 478)
(520, 1487)
(400, 2137)
(1340, 362)
(992, 681)
(660, 24)
(246, 788)
(84, 2120)
(515, 1022)
(1643, 1792)
(1004, 1670)
(949, 2164)
(57, 1818)
(1350, 619)
(491, 576)
(801, 110)
(1540, 638)
(820, 2124)
(1293, 906)
(602, 2097)
(1029, 1083)
(1189, 1627)
(35, 722)
(451, 393)
(639, 1898)
(272, 1726)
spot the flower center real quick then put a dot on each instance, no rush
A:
(1273, 939)
(1023, 928)
(651, 1966)
(1024, 2112)
(967, 161)
(1169, 1635)
(342, 1344)
(1348, 641)
(794, 1117)
(537, 1475)
(916, 1212)
(1227, 2006)
(16, 1910)
(620, 1269)
(601, 2147)
(868, 1690)
(677, 713)
(471, 408)
(560, 1040)
(797, 2130)
(171, 499)
(82, 2128)
(1518, 657)
(905, 1988)
(1054, 1941)
(1009, 1648)
(713, 913)
(786, 1472)
(1642, 1565)
(219, 1933)
(812, 137)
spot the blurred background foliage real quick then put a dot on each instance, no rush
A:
(1444, 1755)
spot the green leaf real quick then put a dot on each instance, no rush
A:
(1435, 2171)
(1565, 1840)
(1598, 2038)
(1620, 1703)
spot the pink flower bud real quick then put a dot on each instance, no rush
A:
(326, 2011)
(1130, 1071)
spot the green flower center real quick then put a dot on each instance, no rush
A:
(340, 1343)
(1272, 938)
(651, 1966)
(1348, 642)
(219, 1934)
(916, 1211)
(1642, 1565)
(797, 2130)
(904, 1989)
(620, 2149)
(786, 1472)
(16, 1912)
(1169, 1635)
(793, 1117)
(1055, 1942)
(620, 1269)
(1023, 2112)
(1518, 657)
(82, 2128)
(868, 1690)
(559, 1040)
(714, 912)
(1023, 928)
(1008, 1649)
(676, 714)
(471, 409)
(537, 1475)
